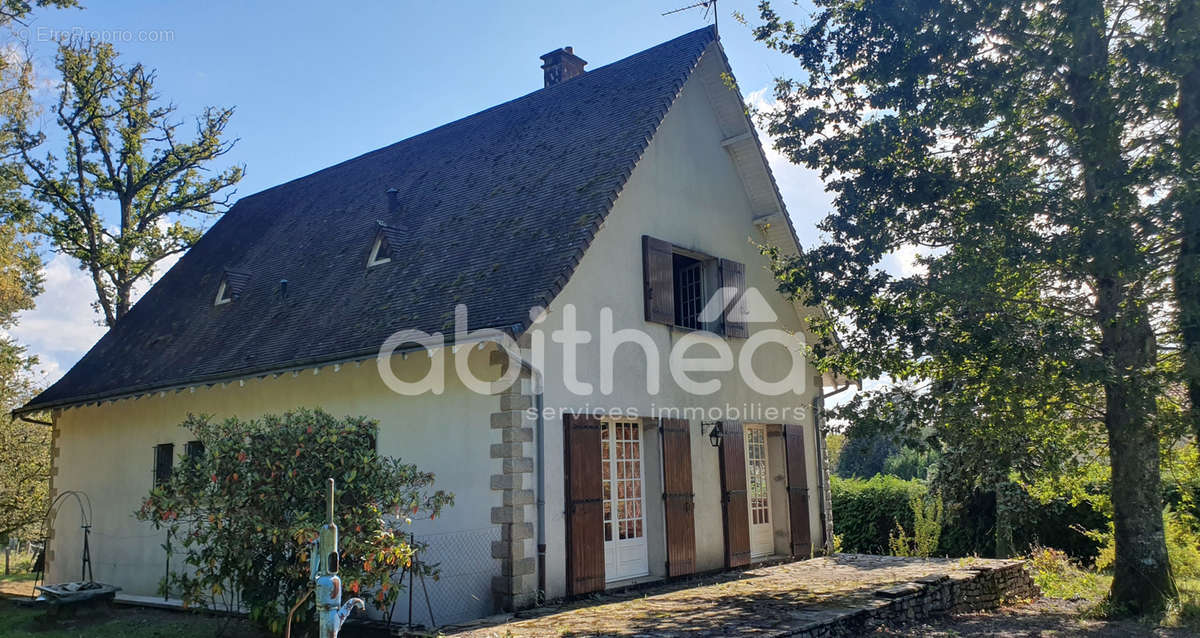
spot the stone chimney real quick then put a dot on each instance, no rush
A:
(561, 65)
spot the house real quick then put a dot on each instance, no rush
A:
(642, 408)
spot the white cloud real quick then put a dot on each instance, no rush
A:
(903, 261)
(64, 325)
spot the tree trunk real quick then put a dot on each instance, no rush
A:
(1006, 505)
(1142, 580)
(1184, 33)
(1141, 573)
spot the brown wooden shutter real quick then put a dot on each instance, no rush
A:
(797, 482)
(658, 280)
(678, 498)
(585, 509)
(735, 509)
(733, 281)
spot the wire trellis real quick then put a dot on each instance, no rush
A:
(463, 588)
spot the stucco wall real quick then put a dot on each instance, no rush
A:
(107, 451)
(686, 191)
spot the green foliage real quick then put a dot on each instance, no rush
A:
(834, 443)
(1183, 546)
(1006, 145)
(928, 517)
(24, 447)
(25, 480)
(18, 10)
(1060, 577)
(866, 511)
(911, 463)
(127, 185)
(865, 456)
(245, 512)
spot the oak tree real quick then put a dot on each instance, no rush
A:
(127, 186)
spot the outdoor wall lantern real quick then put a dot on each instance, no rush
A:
(715, 434)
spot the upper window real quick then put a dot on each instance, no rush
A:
(689, 275)
(691, 290)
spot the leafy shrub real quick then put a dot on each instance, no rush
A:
(1183, 546)
(928, 516)
(244, 512)
(910, 463)
(865, 457)
(1059, 577)
(866, 511)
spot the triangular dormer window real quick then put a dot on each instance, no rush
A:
(387, 241)
(381, 251)
(233, 283)
(224, 295)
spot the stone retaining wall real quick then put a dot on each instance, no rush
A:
(979, 589)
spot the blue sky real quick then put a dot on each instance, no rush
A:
(315, 83)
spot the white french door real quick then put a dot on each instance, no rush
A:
(758, 491)
(624, 500)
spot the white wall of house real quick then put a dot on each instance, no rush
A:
(685, 190)
(107, 452)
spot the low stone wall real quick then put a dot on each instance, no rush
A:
(978, 589)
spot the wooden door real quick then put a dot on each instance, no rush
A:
(584, 501)
(733, 487)
(797, 481)
(678, 498)
(758, 492)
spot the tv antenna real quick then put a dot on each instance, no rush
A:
(709, 5)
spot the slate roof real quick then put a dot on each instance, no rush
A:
(496, 210)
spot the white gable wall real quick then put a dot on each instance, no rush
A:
(685, 190)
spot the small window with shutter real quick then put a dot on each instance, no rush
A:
(680, 286)
(164, 459)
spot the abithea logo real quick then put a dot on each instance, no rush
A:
(718, 355)
(751, 307)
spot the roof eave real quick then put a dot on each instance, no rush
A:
(358, 356)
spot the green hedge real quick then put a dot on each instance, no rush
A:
(865, 512)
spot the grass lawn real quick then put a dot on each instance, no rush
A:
(19, 581)
(117, 622)
(1060, 578)
(112, 622)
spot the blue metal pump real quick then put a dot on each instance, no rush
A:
(327, 586)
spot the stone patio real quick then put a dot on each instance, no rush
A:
(844, 594)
